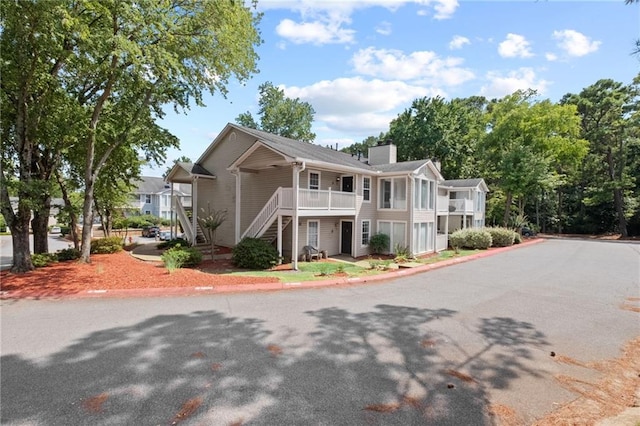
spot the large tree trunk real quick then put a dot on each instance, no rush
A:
(18, 223)
(87, 225)
(40, 226)
(73, 219)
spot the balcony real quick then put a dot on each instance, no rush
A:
(319, 203)
(461, 206)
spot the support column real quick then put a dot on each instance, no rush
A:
(295, 230)
(238, 211)
(279, 236)
(172, 209)
(194, 209)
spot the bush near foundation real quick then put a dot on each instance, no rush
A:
(475, 239)
(501, 237)
(253, 253)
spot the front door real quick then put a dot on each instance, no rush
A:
(346, 234)
(347, 184)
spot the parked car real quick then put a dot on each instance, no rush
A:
(150, 231)
(165, 235)
(55, 230)
(527, 232)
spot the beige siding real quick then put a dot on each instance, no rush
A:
(221, 192)
(257, 189)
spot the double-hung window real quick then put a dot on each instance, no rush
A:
(393, 193)
(314, 180)
(147, 198)
(366, 189)
(366, 232)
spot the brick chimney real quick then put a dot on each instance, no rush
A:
(385, 152)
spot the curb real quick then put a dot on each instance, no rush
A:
(260, 287)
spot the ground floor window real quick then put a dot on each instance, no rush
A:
(396, 232)
(422, 237)
(313, 233)
(366, 232)
(478, 223)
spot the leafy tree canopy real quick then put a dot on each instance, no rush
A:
(281, 115)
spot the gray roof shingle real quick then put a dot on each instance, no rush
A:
(309, 151)
(156, 185)
(462, 183)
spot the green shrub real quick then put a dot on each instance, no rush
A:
(470, 239)
(68, 254)
(253, 253)
(172, 243)
(138, 222)
(106, 245)
(41, 260)
(501, 237)
(517, 239)
(379, 243)
(65, 230)
(165, 222)
(181, 257)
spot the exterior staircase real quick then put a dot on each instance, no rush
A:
(271, 233)
(200, 237)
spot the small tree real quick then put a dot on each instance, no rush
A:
(210, 223)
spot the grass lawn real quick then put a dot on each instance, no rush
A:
(314, 271)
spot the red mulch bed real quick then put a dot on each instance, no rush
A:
(119, 271)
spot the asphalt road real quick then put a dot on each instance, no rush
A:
(369, 354)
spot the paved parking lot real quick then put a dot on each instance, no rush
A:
(436, 348)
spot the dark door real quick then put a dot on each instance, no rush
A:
(347, 184)
(347, 233)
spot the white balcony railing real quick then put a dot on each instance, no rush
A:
(461, 206)
(309, 199)
(442, 242)
(443, 203)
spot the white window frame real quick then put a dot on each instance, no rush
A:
(366, 199)
(428, 245)
(309, 222)
(392, 194)
(393, 243)
(362, 233)
(147, 198)
(313, 172)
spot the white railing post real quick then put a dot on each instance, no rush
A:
(329, 201)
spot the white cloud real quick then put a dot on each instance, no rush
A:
(458, 41)
(551, 56)
(384, 28)
(316, 32)
(500, 85)
(443, 8)
(515, 46)
(424, 66)
(575, 43)
(356, 105)
(327, 21)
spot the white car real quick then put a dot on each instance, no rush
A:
(55, 230)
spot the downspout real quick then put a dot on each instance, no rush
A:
(298, 167)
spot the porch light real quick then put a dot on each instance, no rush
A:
(338, 179)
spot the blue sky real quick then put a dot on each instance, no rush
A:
(360, 63)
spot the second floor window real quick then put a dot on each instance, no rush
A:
(424, 194)
(393, 194)
(147, 198)
(366, 188)
(314, 180)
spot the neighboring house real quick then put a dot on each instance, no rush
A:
(152, 195)
(56, 205)
(295, 194)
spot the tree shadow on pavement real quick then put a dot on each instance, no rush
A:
(375, 367)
